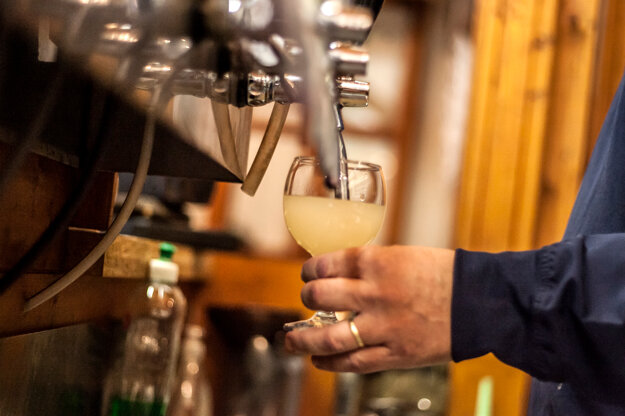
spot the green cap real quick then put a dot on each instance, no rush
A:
(167, 251)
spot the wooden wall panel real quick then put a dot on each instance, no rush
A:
(513, 58)
(31, 200)
(526, 147)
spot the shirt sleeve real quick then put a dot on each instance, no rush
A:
(557, 313)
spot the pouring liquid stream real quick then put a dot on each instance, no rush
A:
(342, 190)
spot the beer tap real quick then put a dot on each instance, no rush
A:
(241, 53)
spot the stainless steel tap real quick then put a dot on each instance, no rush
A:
(236, 52)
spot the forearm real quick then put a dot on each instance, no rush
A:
(557, 313)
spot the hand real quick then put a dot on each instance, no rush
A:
(401, 297)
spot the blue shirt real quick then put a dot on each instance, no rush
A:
(558, 313)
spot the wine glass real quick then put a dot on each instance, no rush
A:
(323, 219)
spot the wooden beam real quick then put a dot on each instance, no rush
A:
(128, 258)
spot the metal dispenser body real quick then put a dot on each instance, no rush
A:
(241, 53)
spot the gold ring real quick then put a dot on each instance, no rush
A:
(355, 333)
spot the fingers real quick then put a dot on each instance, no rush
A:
(365, 360)
(339, 263)
(334, 348)
(403, 299)
(338, 294)
(333, 339)
(329, 340)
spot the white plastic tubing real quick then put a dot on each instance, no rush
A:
(122, 217)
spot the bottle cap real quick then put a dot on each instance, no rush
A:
(167, 251)
(164, 269)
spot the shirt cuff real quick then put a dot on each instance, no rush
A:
(491, 304)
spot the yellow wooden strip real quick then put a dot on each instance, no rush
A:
(610, 65)
(505, 116)
(536, 106)
(565, 154)
(487, 28)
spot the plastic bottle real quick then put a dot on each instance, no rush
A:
(191, 395)
(140, 382)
